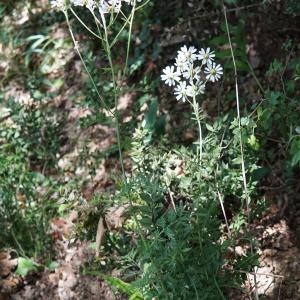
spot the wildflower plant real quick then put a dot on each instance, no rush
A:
(174, 201)
(192, 70)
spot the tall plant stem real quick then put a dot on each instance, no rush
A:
(76, 47)
(116, 93)
(196, 112)
(84, 25)
(247, 197)
(107, 47)
(129, 38)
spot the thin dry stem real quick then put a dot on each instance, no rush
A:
(240, 137)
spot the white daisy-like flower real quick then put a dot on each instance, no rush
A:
(110, 6)
(131, 1)
(190, 68)
(200, 86)
(181, 64)
(181, 91)
(192, 73)
(195, 89)
(105, 6)
(206, 56)
(213, 72)
(58, 4)
(187, 54)
(78, 2)
(91, 5)
(170, 76)
(191, 91)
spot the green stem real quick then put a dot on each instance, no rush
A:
(18, 244)
(196, 112)
(108, 50)
(255, 78)
(142, 5)
(84, 64)
(129, 38)
(107, 47)
(109, 55)
(84, 25)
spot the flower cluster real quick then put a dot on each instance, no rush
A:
(191, 71)
(104, 6)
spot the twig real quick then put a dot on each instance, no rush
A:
(172, 199)
(99, 236)
(224, 213)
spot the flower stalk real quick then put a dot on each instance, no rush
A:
(195, 106)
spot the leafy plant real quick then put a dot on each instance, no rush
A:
(25, 266)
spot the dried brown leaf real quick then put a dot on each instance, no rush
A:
(99, 236)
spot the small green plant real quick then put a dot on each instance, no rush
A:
(278, 115)
(178, 216)
(27, 149)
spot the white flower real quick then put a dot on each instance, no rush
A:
(109, 6)
(187, 54)
(213, 72)
(192, 73)
(131, 1)
(181, 64)
(78, 2)
(200, 86)
(187, 73)
(90, 4)
(181, 91)
(206, 56)
(104, 6)
(191, 91)
(170, 75)
(58, 4)
(195, 89)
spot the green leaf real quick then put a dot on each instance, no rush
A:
(53, 265)
(237, 161)
(185, 182)
(253, 142)
(295, 152)
(274, 97)
(260, 173)
(242, 66)
(296, 159)
(125, 287)
(297, 129)
(151, 115)
(25, 265)
(231, 1)
(62, 207)
(219, 40)
(209, 128)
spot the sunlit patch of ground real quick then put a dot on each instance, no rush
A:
(278, 274)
